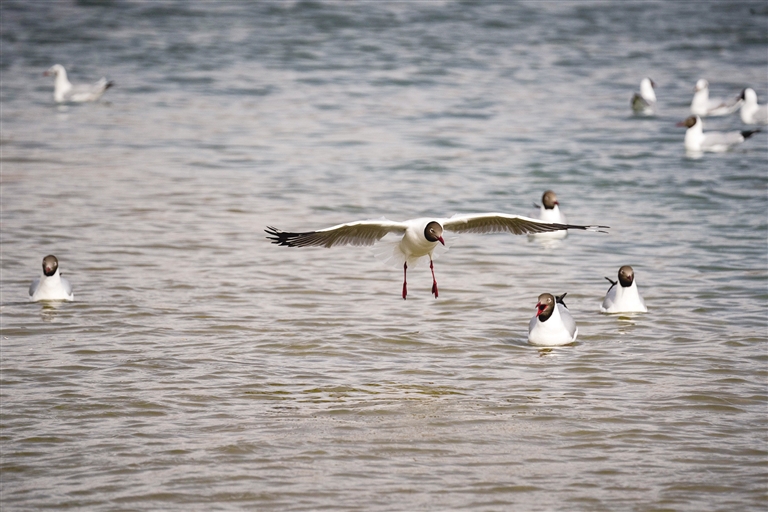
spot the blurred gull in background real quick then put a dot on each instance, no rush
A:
(64, 91)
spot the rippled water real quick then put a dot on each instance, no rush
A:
(203, 368)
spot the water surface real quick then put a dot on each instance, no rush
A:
(202, 367)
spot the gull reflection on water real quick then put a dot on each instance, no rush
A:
(49, 310)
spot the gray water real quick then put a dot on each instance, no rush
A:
(203, 368)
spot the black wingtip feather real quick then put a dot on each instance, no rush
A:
(280, 237)
(748, 133)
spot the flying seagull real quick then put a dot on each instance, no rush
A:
(419, 236)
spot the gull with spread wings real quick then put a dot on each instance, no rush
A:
(420, 236)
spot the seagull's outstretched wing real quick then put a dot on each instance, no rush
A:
(364, 232)
(501, 222)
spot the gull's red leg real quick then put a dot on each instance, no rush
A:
(434, 282)
(405, 288)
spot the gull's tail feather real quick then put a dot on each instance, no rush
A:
(389, 253)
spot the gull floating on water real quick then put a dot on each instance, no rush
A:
(420, 237)
(553, 324)
(702, 105)
(50, 285)
(549, 211)
(644, 102)
(697, 141)
(64, 91)
(751, 112)
(624, 298)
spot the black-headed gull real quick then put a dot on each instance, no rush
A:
(624, 298)
(50, 285)
(420, 236)
(64, 91)
(751, 112)
(553, 324)
(697, 141)
(644, 102)
(703, 105)
(549, 211)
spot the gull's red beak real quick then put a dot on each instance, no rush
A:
(540, 308)
(681, 123)
(441, 240)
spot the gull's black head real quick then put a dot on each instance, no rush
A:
(626, 276)
(434, 232)
(549, 200)
(689, 121)
(50, 265)
(545, 306)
